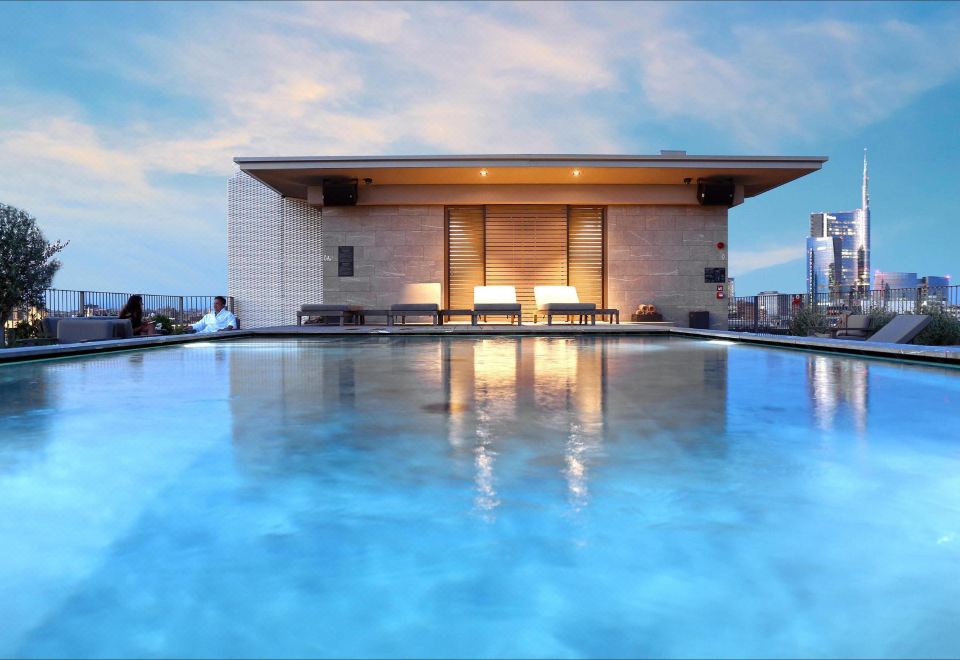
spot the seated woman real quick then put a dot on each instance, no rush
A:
(133, 310)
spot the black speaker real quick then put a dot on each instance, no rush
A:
(715, 193)
(339, 193)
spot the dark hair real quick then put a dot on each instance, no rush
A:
(133, 310)
(134, 305)
(223, 301)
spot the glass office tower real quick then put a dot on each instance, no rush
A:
(853, 230)
(823, 265)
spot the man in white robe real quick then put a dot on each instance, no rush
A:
(219, 319)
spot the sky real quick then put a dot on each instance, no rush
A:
(119, 122)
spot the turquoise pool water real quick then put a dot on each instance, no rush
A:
(446, 497)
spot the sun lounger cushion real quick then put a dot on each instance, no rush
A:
(490, 295)
(563, 307)
(421, 293)
(415, 307)
(545, 295)
(497, 307)
(330, 308)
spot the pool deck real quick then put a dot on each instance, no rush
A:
(949, 355)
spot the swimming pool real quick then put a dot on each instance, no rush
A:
(438, 497)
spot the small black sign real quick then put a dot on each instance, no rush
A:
(345, 261)
(715, 275)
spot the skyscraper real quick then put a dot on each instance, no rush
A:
(852, 270)
(823, 264)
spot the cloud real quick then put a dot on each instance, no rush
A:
(367, 78)
(747, 261)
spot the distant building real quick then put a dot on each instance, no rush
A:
(930, 281)
(895, 280)
(731, 296)
(853, 230)
(934, 287)
(823, 265)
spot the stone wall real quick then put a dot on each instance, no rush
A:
(283, 253)
(657, 255)
(392, 245)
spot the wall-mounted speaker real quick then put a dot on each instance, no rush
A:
(715, 193)
(339, 193)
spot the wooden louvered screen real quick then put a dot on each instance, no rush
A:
(585, 263)
(526, 247)
(465, 255)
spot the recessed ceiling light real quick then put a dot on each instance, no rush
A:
(576, 173)
(483, 172)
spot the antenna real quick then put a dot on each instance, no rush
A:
(865, 199)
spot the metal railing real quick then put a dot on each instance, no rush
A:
(773, 313)
(73, 303)
(181, 309)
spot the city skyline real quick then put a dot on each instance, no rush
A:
(838, 247)
(121, 120)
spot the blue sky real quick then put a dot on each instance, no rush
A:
(119, 122)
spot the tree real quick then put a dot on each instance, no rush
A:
(27, 265)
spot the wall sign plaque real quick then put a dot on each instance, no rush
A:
(345, 261)
(715, 275)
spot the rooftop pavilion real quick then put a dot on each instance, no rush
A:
(624, 230)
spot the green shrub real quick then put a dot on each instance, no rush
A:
(808, 321)
(166, 323)
(943, 330)
(879, 317)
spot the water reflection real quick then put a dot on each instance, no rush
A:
(502, 408)
(838, 385)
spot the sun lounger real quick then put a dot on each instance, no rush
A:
(857, 326)
(419, 299)
(495, 301)
(902, 328)
(76, 330)
(562, 301)
(340, 312)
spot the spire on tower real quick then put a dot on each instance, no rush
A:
(865, 199)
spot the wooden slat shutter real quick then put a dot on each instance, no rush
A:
(465, 255)
(585, 261)
(526, 246)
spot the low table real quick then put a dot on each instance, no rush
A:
(376, 312)
(614, 314)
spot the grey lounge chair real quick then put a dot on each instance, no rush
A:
(418, 299)
(339, 312)
(857, 326)
(75, 330)
(495, 301)
(562, 301)
(902, 328)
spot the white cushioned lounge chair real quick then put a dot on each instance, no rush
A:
(418, 299)
(495, 301)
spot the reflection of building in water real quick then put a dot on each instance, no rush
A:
(506, 390)
(838, 384)
(569, 382)
(290, 396)
(478, 409)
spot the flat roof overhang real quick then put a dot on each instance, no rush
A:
(292, 176)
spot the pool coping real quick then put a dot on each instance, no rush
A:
(949, 355)
(914, 353)
(30, 353)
